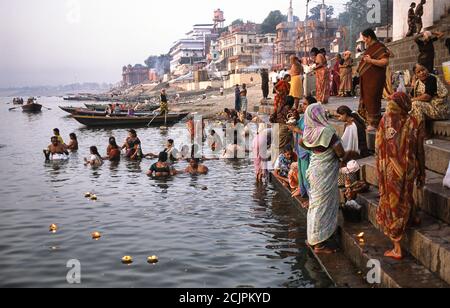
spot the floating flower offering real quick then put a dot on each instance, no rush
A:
(96, 235)
(93, 197)
(152, 259)
(87, 195)
(53, 228)
(127, 260)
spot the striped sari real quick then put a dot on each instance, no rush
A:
(322, 174)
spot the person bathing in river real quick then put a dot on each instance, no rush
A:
(283, 165)
(113, 151)
(161, 169)
(195, 168)
(95, 160)
(133, 146)
(55, 148)
(58, 135)
(73, 144)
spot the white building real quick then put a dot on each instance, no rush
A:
(240, 50)
(194, 48)
(433, 11)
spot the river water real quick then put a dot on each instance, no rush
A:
(219, 230)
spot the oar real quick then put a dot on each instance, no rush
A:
(148, 125)
(14, 108)
(47, 108)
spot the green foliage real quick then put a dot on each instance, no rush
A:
(274, 18)
(315, 12)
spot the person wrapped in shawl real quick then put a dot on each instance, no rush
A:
(322, 75)
(372, 72)
(400, 162)
(323, 173)
(282, 89)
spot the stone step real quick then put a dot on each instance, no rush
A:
(429, 243)
(406, 273)
(340, 128)
(338, 267)
(436, 198)
(341, 266)
(437, 156)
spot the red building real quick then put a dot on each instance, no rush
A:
(133, 75)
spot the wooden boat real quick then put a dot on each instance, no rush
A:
(103, 107)
(99, 121)
(32, 107)
(90, 112)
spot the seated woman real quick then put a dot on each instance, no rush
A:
(161, 169)
(283, 165)
(133, 146)
(95, 160)
(73, 144)
(113, 151)
(354, 139)
(429, 97)
(195, 168)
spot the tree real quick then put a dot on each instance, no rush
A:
(237, 22)
(274, 18)
(355, 18)
(315, 12)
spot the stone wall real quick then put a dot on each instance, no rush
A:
(406, 50)
(433, 11)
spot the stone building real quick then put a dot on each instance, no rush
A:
(133, 75)
(315, 33)
(240, 49)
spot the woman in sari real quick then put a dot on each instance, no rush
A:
(322, 76)
(429, 97)
(372, 72)
(400, 161)
(282, 89)
(302, 154)
(336, 80)
(345, 70)
(323, 173)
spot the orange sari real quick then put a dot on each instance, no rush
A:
(322, 80)
(399, 145)
(282, 88)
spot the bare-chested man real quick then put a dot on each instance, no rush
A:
(55, 148)
(296, 80)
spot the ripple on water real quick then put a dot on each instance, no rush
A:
(233, 234)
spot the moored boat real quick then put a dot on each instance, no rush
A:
(99, 121)
(91, 112)
(104, 107)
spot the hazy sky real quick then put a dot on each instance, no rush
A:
(52, 42)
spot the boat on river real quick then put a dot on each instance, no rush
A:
(104, 107)
(130, 121)
(33, 107)
(91, 112)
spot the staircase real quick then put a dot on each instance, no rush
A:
(428, 262)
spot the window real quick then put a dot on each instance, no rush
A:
(242, 41)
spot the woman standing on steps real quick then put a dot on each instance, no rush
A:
(323, 173)
(400, 163)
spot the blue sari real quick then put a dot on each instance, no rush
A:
(303, 161)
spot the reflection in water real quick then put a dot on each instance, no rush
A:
(218, 230)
